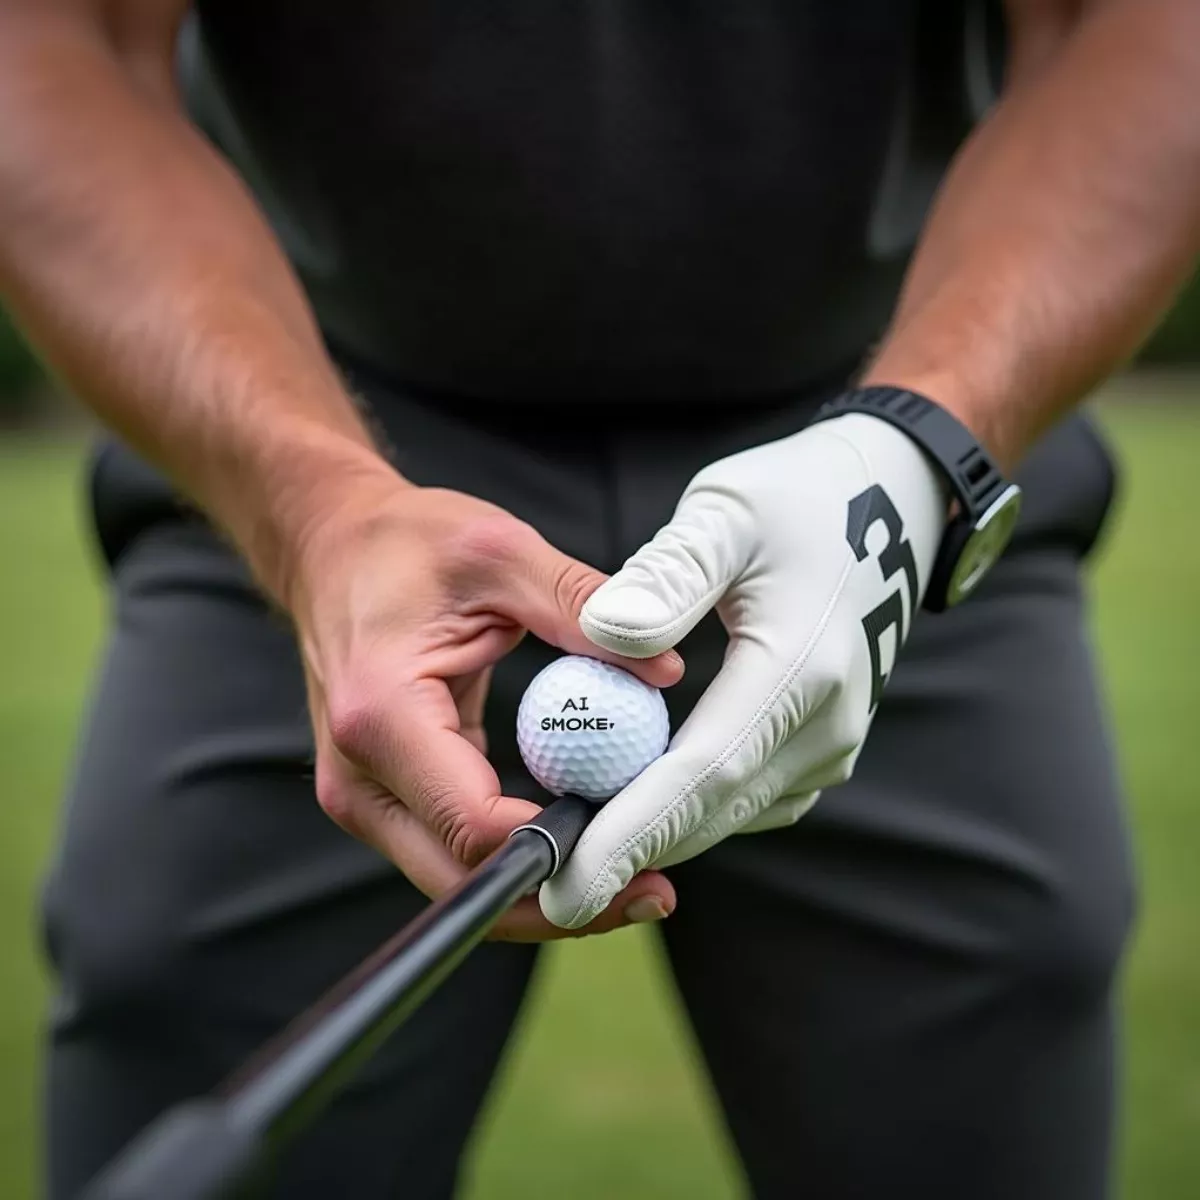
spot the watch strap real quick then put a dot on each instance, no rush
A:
(972, 475)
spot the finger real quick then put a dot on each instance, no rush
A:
(370, 812)
(748, 803)
(737, 816)
(651, 893)
(406, 738)
(448, 785)
(475, 644)
(821, 754)
(470, 697)
(787, 810)
(430, 866)
(549, 594)
(663, 590)
(422, 856)
(744, 716)
(373, 811)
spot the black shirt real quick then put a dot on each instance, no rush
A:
(591, 198)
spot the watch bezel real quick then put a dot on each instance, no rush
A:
(989, 535)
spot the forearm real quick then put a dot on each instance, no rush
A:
(136, 262)
(1064, 230)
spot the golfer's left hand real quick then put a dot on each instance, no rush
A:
(815, 551)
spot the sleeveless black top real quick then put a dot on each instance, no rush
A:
(594, 198)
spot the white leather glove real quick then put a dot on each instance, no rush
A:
(815, 550)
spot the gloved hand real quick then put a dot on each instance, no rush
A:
(815, 550)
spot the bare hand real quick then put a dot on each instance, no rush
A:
(404, 600)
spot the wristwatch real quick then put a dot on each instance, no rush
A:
(988, 504)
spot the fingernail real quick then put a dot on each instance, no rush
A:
(674, 658)
(645, 908)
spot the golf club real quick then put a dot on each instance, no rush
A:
(219, 1147)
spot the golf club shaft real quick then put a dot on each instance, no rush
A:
(215, 1147)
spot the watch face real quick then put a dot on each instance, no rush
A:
(985, 544)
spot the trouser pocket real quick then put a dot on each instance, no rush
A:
(127, 496)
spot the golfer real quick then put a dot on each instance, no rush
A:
(435, 339)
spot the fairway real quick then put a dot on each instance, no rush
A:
(601, 1095)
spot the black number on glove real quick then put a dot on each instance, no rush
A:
(864, 510)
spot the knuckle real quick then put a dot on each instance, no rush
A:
(337, 800)
(842, 767)
(354, 725)
(574, 582)
(841, 771)
(482, 554)
(850, 730)
(467, 841)
(493, 538)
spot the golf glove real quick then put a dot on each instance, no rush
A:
(815, 551)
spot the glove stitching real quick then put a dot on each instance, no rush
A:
(819, 775)
(717, 813)
(795, 667)
(810, 799)
(627, 634)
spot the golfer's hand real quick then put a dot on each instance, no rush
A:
(406, 598)
(815, 551)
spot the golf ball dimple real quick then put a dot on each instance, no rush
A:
(589, 728)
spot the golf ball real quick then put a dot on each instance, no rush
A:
(589, 728)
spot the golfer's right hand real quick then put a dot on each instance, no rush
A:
(403, 598)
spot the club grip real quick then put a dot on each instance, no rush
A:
(561, 823)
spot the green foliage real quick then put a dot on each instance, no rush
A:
(19, 370)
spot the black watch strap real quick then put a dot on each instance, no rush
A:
(973, 477)
(988, 504)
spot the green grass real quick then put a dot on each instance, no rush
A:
(633, 1115)
(50, 620)
(1147, 606)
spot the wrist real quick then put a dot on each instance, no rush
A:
(984, 413)
(308, 481)
(882, 442)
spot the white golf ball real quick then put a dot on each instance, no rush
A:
(589, 728)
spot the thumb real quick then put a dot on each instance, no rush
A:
(551, 588)
(663, 591)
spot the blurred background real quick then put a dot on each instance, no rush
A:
(635, 1081)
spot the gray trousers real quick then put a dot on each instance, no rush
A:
(908, 994)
